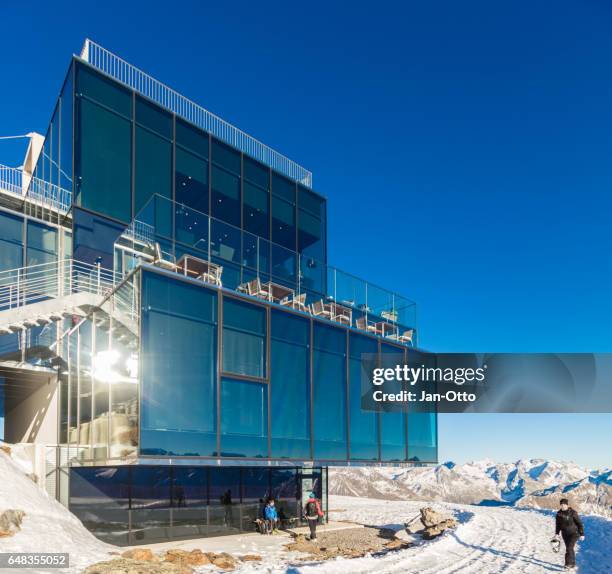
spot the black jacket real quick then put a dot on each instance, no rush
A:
(569, 522)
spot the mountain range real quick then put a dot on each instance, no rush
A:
(530, 483)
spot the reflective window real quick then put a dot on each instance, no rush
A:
(190, 486)
(422, 437)
(11, 242)
(103, 161)
(283, 223)
(364, 425)
(153, 117)
(100, 89)
(66, 135)
(179, 345)
(256, 198)
(225, 200)
(151, 486)
(329, 389)
(153, 167)
(244, 338)
(191, 138)
(244, 419)
(392, 424)
(191, 180)
(290, 386)
(311, 224)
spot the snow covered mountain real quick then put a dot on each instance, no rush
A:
(534, 483)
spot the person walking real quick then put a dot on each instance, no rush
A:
(312, 513)
(570, 526)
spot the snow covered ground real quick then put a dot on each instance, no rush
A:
(489, 540)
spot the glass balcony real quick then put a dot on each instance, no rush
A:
(178, 238)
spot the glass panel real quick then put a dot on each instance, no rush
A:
(256, 214)
(226, 157)
(153, 167)
(66, 136)
(244, 419)
(103, 161)
(224, 514)
(392, 424)
(329, 389)
(363, 424)
(290, 386)
(244, 338)
(190, 486)
(103, 90)
(284, 188)
(422, 437)
(255, 493)
(285, 492)
(225, 201)
(85, 348)
(191, 180)
(101, 386)
(153, 117)
(100, 498)
(11, 242)
(191, 138)
(151, 486)
(42, 244)
(179, 368)
(283, 223)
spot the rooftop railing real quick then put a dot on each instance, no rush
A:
(181, 239)
(40, 193)
(136, 79)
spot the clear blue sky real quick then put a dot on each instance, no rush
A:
(471, 140)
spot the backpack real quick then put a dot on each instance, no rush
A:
(311, 508)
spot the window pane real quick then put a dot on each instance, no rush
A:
(191, 180)
(422, 437)
(153, 117)
(150, 486)
(153, 167)
(190, 486)
(256, 173)
(290, 386)
(226, 157)
(256, 215)
(283, 223)
(178, 394)
(329, 388)
(244, 419)
(284, 188)
(191, 138)
(225, 195)
(364, 425)
(104, 161)
(392, 425)
(103, 90)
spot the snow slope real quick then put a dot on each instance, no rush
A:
(47, 525)
(532, 483)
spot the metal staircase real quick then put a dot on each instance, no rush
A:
(41, 294)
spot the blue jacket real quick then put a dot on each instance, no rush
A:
(270, 512)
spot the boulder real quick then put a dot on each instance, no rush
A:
(430, 517)
(10, 522)
(194, 558)
(251, 558)
(223, 560)
(141, 554)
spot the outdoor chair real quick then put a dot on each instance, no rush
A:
(406, 337)
(255, 289)
(160, 261)
(213, 275)
(298, 302)
(320, 309)
(362, 323)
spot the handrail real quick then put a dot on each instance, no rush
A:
(136, 79)
(40, 192)
(26, 285)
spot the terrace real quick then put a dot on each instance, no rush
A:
(185, 241)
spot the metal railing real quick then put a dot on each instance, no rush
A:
(35, 283)
(40, 193)
(136, 79)
(11, 179)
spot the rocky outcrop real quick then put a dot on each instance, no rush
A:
(130, 566)
(10, 522)
(435, 523)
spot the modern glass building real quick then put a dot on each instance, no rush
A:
(167, 275)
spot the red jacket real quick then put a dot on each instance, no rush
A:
(318, 507)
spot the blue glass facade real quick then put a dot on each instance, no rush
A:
(252, 363)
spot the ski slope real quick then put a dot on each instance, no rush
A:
(489, 540)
